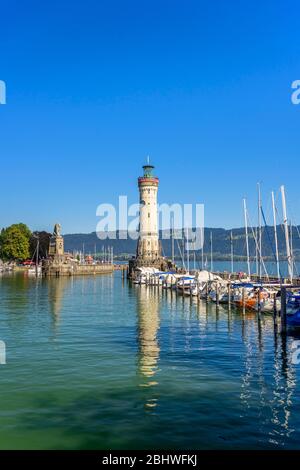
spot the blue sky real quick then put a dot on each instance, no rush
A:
(93, 87)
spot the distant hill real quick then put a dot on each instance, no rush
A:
(221, 243)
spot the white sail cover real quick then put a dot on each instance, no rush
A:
(205, 276)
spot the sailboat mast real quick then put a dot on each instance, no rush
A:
(211, 252)
(183, 249)
(37, 256)
(173, 247)
(259, 232)
(231, 247)
(247, 237)
(202, 249)
(292, 246)
(187, 250)
(256, 249)
(286, 231)
(275, 235)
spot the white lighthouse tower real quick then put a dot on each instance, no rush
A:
(148, 253)
(148, 250)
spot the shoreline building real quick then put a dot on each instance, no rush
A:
(149, 252)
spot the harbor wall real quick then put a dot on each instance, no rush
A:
(57, 269)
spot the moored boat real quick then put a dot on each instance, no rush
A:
(184, 284)
(293, 310)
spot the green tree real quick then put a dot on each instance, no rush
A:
(24, 229)
(15, 242)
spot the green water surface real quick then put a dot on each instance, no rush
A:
(96, 363)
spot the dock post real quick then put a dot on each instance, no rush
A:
(229, 295)
(283, 310)
(258, 303)
(217, 294)
(275, 310)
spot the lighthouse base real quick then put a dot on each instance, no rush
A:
(161, 264)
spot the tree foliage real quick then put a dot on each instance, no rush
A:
(15, 242)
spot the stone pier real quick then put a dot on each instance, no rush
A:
(60, 263)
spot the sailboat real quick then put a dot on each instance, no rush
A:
(267, 302)
(219, 292)
(37, 269)
(293, 299)
(293, 310)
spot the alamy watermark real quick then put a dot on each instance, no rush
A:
(296, 93)
(2, 92)
(2, 353)
(178, 221)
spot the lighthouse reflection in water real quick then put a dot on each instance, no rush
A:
(148, 323)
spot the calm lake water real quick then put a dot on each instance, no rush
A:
(95, 363)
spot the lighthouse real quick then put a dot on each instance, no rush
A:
(148, 249)
(148, 253)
